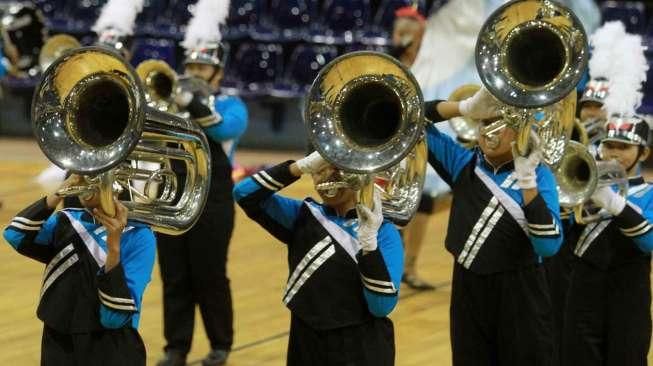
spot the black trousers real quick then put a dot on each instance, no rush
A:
(608, 315)
(501, 319)
(119, 347)
(194, 271)
(558, 273)
(367, 344)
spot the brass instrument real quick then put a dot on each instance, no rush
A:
(467, 129)
(160, 82)
(54, 47)
(364, 114)
(531, 54)
(588, 132)
(89, 116)
(579, 175)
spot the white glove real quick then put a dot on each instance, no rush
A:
(369, 222)
(481, 105)
(610, 200)
(525, 168)
(312, 163)
(183, 99)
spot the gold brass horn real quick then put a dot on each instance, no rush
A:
(89, 116)
(530, 54)
(54, 47)
(579, 175)
(364, 114)
(160, 82)
(465, 128)
(588, 132)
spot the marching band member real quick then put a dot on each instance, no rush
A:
(591, 112)
(97, 270)
(607, 315)
(194, 265)
(504, 219)
(345, 261)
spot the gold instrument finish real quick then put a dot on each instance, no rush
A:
(89, 116)
(55, 47)
(364, 114)
(160, 82)
(465, 128)
(579, 175)
(588, 132)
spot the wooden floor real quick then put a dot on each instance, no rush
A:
(257, 270)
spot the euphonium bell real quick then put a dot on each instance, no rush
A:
(160, 82)
(364, 115)
(531, 54)
(579, 175)
(89, 116)
(54, 47)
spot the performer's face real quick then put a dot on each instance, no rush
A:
(333, 197)
(497, 145)
(591, 109)
(206, 73)
(626, 154)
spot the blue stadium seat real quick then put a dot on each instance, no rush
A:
(343, 21)
(151, 48)
(302, 68)
(255, 67)
(82, 15)
(289, 20)
(244, 17)
(631, 13)
(647, 89)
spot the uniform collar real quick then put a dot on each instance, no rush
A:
(329, 211)
(505, 167)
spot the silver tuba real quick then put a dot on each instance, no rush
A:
(531, 54)
(364, 115)
(579, 175)
(89, 116)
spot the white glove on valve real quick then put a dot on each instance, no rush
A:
(312, 163)
(525, 168)
(369, 222)
(481, 105)
(610, 200)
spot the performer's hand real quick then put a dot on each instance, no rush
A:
(114, 225)
(369, 222)
(525, 168)
(610, 200)
(183, 99)
(312, 163)
(481, 105)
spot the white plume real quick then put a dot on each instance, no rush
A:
(119, 15)
(603, 43)
(626, 75)
(204, 27)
